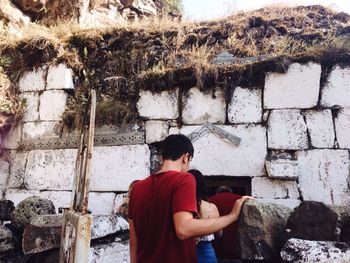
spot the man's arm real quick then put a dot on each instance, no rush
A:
(133, 242)
(186, 226)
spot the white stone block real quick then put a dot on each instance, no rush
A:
(156, 131)
(291, 203)
(32, 106)
(18, 162)
(116, 252)
(50, 169)
(101, 203)
(4, 173)
(17, 195)
(13, 138)
(337, 88)
(282, 169)
(287, 130)
(33, 80)
(59, 198)
(245, 106)
(39, 130)
(342, 127)
(297, 88)
(59, 77)
(114, 168)
(321, 129)
(214, 156)
(263, 187)
(52, 105)
(202, 108)
(119, 200)
(163, 105)
(324, 176)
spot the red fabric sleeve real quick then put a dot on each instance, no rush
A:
(184, 198)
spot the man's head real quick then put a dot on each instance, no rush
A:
(223, 189)
(178, 147)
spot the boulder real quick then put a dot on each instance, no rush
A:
(261, 230)
(6, 209)
(312, 220)
(103, 226)
(29, 208)
(7, 242)
(298, 250)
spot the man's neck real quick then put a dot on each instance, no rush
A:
(169, 165)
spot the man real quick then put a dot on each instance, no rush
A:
(226, 246)
(163, 206)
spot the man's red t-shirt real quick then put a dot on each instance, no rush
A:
(153, 201)
(226, 246)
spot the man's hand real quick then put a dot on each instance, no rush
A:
(236, 210)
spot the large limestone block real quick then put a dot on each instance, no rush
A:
(336, 92)
(18, 195)
(261, 230)
(297, 88)
(287, 130)
(158, 106)
(116, 252)
(18, 160)
(4, 173)
(59, 77)
(263, 187)
(39, 130)
(33, 80)
(282, 169)
(202, 108)
(50, 169)
(101, 203)
(245, 106)
(156, 131)
(300, 251)
(324, 175)
(114, 168)
(321, 129)
(61, 199)
(32, 106)
(52, 105)
(342, 127)
(103, 226)
(214, 156)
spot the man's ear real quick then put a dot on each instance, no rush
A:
(186, 158)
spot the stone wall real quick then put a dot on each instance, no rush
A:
(294, 131)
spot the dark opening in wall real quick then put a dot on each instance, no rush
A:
(239, 185)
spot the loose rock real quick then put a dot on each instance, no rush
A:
(6, 209)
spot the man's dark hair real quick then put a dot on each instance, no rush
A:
(174, 146)
(223, 189)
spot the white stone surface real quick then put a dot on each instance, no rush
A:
(59, 77)
(50, 169)
(33, 80)
(282, 169)
(59, 198)
(342, 127)
(116, 252)
(201, 108)
(291, 203)
(18, 162)
(4, 173)
(105, 225)
(297, 88)
(324, 176)
(163, 105)
(114, 168)
(287, 130)
(17, 195)
(156, 131)
(39, 130)
(263, 187)
(245, 106)
(101, 203)
(337, 88)
(118, 201)
(214, 156)
(52, 105)
(13, 138)
(32, 106)
(321, 129)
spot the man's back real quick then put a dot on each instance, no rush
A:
(225, 247)
(153, 202)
